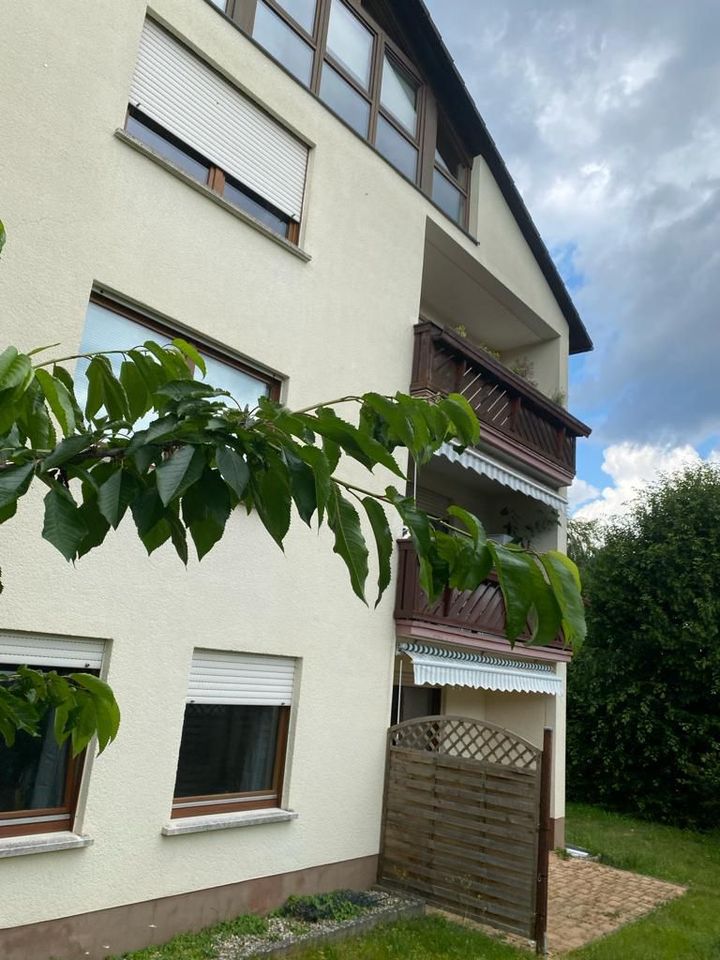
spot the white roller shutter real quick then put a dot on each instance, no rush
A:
(240, 678)
(50, 651)
(177, 90)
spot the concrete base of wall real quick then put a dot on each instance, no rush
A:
(557, 833)
(94, 936)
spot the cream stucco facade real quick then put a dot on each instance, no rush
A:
(85, 211)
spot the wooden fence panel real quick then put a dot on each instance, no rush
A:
(461, 821)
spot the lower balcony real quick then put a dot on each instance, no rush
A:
(472, 617)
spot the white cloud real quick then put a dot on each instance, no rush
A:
(631, 467)
(580, 492)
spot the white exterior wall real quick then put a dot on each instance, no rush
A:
(82, 208)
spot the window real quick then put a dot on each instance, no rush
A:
(283, 42)
(450, 175)
(39, 779)
(110, 326)
(350, 43)
(234, 736)
(342, 51)
(191, 116)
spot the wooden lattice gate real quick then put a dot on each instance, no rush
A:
(466, 821)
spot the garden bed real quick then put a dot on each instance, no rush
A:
(301, 923)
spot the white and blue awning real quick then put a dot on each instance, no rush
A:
(439, 667)
(486, 466)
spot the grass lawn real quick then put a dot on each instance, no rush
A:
(685, 929)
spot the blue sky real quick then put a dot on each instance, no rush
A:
(608, 117)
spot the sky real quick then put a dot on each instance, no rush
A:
(608, 117)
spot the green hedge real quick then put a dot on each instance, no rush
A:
(644, 693)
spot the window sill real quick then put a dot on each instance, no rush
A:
(42, 843)
(227, 821)
(202, 188)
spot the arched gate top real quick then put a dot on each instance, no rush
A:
(467, 739)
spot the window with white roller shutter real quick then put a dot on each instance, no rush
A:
(39, 778)
(181, 108)
(234, 738)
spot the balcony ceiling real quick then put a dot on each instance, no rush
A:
(457, 289)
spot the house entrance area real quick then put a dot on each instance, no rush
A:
(466, 821)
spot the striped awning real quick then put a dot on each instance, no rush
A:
(481, 463)
(459, 668)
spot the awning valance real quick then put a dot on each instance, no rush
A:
(481, 463)
(459, 668)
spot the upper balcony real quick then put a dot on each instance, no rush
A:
(516, 418)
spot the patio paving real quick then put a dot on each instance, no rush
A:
(589, 900)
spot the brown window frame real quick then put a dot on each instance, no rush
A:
(242, 14)
(273, 383)
(63, 815)
(208, 804)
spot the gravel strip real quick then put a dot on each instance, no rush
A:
(285, 932)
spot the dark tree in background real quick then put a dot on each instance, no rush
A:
(644, 692)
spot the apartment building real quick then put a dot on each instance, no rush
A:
(304, 190)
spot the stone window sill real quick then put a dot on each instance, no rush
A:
(227, 821)
(42, 843)
(210, 194)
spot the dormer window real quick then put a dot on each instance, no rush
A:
(348, 59)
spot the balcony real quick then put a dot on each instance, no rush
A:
(516, 419)
(461, 616)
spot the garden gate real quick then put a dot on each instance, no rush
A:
(466, 821)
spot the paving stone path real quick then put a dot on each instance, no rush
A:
(589, 900)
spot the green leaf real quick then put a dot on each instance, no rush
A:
(546, 617)
(152, 373)
(61, 374)
(15, 369)
(187, 390)
(159, 430)
(316, 459)
(191, 353)
(138, 395)
(383, 542)
(565, 582)
(116, 494)
(148, 511)
(177, 535)
(473, 525)
(516, 583)
(59, 399)
(271, 494)
(233, 469)
(206, 507)
(115, 399)
(94, 375)
(172, 363)
(35, 419)
(67, 449)
(179, 471)
(97, 527)
(302, 486)
(14, 481)
(463, 418)
(3, 235)
(64, 527)
(350, 544)
(107, 711)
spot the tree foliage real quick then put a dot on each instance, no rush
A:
(155, 443)
(643, 707)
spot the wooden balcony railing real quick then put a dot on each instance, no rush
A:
(515, 417)
(479, 611)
